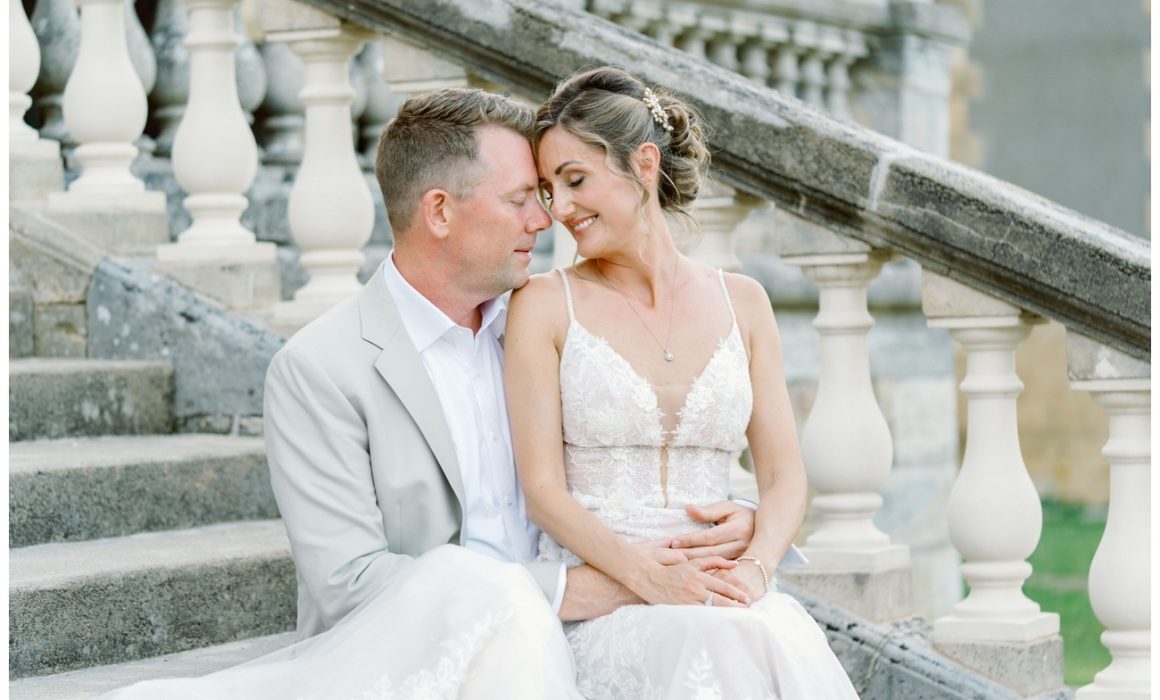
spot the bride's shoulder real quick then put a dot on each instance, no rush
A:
(541, 298)
(750, 300)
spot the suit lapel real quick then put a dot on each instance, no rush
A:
(400, 365)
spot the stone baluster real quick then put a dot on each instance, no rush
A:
(250, 69)
(994, 517)
(23, 64)
(723, 51)
(58, 32)
(813, 79)
(1120, 580)
(675, 21)
(140, 50)
(718, 211)
(105, 111)
(694, 41)
(838, 86)
(664, 32)
(215, 159)
(34, 166)
(632, 21)
(852, 562)
(171, 93)
(331, 211)
(785, 70)
(755, 61)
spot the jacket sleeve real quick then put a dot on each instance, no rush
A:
(320, 471)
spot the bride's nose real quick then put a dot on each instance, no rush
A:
(562, 206)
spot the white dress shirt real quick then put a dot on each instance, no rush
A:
(467, 371)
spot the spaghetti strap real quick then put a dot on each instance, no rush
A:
(724, 289)
(567, 295)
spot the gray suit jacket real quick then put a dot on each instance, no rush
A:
(361, 459)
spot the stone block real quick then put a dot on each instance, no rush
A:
(1028, 669)
(408, 68)
(59, 330)
(122, 225)
(20, 324)
(54, 398)
(234, 285)
(88, 488)
(943, 297)
(794, 236)
(290, 16)
(35, 169)
(1092, 361)
(78, 604)
(880, 596)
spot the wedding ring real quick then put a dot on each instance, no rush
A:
(709, 600)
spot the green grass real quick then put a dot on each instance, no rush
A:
(1071, 534)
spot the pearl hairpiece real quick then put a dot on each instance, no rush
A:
(658, 113)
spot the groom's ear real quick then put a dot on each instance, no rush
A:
(436, 212)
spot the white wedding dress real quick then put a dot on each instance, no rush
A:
(615, 445)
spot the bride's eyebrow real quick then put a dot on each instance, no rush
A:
(566, 164)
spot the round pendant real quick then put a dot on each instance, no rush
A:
(668, 356)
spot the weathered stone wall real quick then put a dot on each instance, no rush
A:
(219, 359)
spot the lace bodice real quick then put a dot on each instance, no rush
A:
(616, 450)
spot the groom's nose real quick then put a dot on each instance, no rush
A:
(538, 221)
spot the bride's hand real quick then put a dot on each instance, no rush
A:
(691, 582)
(746, 578)
(729, 537)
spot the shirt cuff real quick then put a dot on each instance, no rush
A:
(561, 584)
(744, 502)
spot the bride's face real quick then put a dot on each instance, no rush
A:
(600, 207)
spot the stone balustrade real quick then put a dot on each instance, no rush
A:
(304, 124)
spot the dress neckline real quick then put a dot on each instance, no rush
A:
(670, 435)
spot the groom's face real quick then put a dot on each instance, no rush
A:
(501, 216)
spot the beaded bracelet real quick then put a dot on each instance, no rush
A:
(757, 562)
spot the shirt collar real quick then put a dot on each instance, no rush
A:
(425, 322)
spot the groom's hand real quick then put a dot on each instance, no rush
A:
(729, 537)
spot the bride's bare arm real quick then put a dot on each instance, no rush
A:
(781, 477)
(536, 327)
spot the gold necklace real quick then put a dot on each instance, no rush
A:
(672, 305)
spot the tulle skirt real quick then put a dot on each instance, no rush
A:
(772, 649)
(456, 625)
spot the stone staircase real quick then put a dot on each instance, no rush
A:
(128, 540)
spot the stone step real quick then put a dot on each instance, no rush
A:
(20, 331)
(91, 682)
(86, 488)
(80, 604)
(55, 398)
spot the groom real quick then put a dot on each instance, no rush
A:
(386, 429)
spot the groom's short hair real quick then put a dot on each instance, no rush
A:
(433, 143)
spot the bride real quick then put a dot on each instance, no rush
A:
(632, 379)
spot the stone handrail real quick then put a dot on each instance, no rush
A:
(953, 220)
